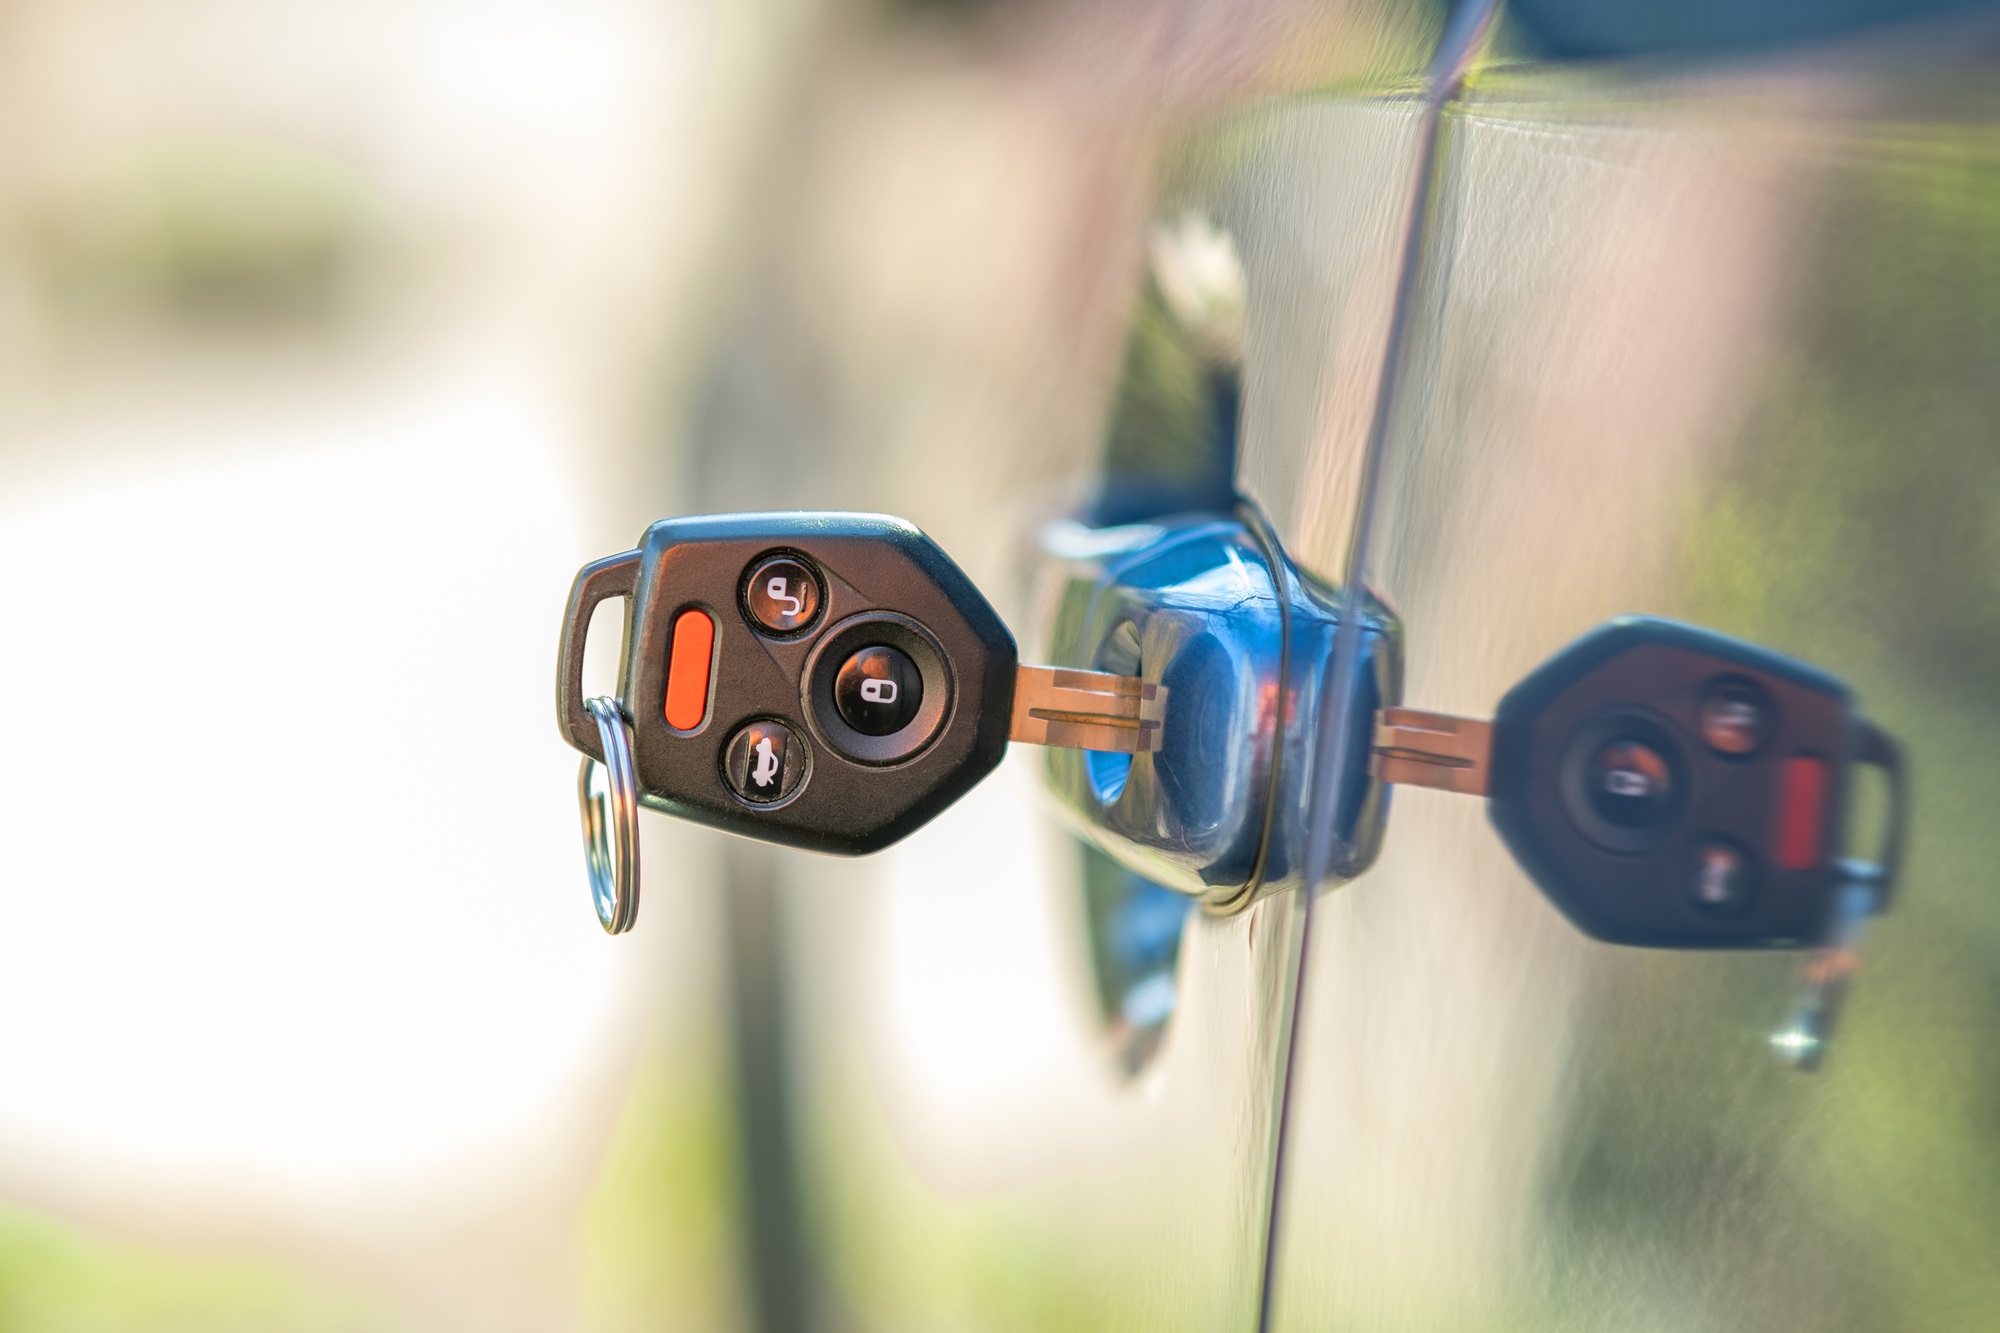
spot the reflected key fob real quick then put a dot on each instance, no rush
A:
(1672, 787)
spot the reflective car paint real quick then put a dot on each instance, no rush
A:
(1701, 348)
(1708, 347)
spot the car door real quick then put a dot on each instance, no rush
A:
(1715, 346)
(1695, 343)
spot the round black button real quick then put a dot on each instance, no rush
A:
(1629, 784)
(764, 761)
(1721, 881)
(781, 594)
(1735, 718)
(1626, 781)
(878, 691)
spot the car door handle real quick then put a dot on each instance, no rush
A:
(1208, 607)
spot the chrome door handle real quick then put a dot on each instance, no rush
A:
(1208, 608)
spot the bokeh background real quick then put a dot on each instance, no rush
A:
(333, 338)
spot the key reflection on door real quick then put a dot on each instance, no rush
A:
(1135, 929)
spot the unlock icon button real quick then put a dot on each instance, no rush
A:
(782, 595)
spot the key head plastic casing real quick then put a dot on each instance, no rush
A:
(881, 582)
(1616, 798)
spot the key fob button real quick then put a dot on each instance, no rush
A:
(1721, 880)
(782, 595)
(764, 762)
(1624, 782)
(1736, 718)
(1629, 783)
(878, 691)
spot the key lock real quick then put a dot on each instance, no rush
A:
(834, 681)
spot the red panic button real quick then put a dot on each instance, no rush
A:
(1801, 812)
(687, 670)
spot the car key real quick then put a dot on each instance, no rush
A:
(1671, 787)
(827, 681)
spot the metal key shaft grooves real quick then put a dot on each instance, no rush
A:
(1419, 749)
(1087, 710)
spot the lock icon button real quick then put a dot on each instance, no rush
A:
(878, 690)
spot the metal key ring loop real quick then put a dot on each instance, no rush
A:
(608, 796)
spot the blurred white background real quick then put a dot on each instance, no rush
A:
(331, 340)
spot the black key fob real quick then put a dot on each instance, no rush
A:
(826, 681)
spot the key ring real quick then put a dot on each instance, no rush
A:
(608, 796)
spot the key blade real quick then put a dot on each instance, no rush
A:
(1087, 710)
(1418, 749)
